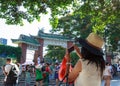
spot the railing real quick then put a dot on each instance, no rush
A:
(22, 81)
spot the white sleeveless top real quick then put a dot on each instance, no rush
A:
(106, 71)
(89, 76)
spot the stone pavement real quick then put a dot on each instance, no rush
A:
(114, 82)
(23, 83)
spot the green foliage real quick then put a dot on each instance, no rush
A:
(15, 11)
(92, 16)
(89, 16)
(9, 51)
(2, 61)
(113, 33)
(55, 52)
(74, 26)
(74, 58)
(58, 53)
(101, 12)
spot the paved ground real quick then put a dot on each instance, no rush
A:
(114, 82)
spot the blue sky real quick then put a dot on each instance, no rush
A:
(13, 31)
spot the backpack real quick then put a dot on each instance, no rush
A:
(12, 76)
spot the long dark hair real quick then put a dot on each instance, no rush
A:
(92, 58)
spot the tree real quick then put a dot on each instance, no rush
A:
(74, 26)
(89, 16)
(55, 52)
(15, 11)
(58, 53)
(101, 12)
(92, 16)
(113, 33)
(9, 51)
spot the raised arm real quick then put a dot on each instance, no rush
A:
(77, 68)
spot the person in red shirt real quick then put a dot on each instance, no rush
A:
(46, 72)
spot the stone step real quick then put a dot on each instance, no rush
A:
(22, 81)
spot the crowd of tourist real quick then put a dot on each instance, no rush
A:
(42, 72)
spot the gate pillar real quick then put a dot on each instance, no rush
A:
(39, 52)
(24, 49)
(40, 48)
(35, 56)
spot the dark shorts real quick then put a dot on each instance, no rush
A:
(10, 81)
(56, 75)
(12, 84)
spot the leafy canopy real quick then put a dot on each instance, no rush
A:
(100, 12)
(15, 11)
(92, 16)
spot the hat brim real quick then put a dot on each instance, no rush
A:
(92, 49)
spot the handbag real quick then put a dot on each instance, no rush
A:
(62, 70)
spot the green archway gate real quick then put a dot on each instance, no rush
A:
(37, 43)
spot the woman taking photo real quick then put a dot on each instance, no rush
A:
(89, 68)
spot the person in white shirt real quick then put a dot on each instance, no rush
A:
(8, 68)
(107, 74)
(38, 73)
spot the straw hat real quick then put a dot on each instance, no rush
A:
(93, 43)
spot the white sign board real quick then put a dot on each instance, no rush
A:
(62, 43)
